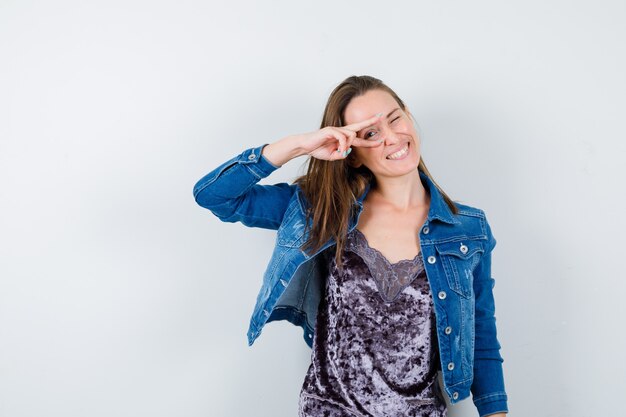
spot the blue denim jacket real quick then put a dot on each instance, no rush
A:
(456, 249)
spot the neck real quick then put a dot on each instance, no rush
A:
(403, 193)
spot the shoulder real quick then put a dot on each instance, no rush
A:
(475, 218)
(470, 211)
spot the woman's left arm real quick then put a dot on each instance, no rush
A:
(488, 392)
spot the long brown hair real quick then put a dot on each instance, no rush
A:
(333, 186)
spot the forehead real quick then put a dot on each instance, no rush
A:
(367, 105)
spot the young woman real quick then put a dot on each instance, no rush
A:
(388, 277)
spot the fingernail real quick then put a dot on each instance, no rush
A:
(349, 150)
(337, 150)
(378, 114)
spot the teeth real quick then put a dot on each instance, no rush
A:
(399, 153)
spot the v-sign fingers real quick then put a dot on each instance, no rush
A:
(366, 143)
(355, 127)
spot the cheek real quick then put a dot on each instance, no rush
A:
(405, 127)
(364, 155)
(409, 130)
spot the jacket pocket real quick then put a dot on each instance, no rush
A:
(459, 259)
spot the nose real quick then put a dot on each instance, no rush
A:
(388, 135)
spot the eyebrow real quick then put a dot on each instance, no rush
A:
(389, 114)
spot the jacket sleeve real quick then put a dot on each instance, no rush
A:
(231, 192)
(488, 392)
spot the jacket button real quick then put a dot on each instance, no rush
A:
(450, 366)
(432, 259)
(455, 396)
(442, 295)
(251, 156)
(425, 230)
(310, 336)
(448, 330)
(463, 248)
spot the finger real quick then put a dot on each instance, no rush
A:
(340, 138)
(341, 154)
(366, 143)
(336, 156)
(328, 152)
(349, 134)
(355, 127)
(354, 140)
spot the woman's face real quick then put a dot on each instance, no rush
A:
(395, 128)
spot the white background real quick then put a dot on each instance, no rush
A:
(119, 296)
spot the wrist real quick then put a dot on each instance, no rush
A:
(282, 151)
(294, 143)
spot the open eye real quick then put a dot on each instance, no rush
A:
(366, 135)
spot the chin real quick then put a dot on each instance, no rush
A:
(407, 168)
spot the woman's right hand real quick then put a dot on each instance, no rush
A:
(328, 143)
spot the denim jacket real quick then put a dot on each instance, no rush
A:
(456, 249)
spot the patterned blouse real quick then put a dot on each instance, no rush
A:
(375, 347)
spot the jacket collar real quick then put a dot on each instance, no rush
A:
(438, 208)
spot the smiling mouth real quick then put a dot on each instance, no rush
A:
(401, 154)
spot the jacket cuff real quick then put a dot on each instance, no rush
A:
(257, 162)
(491, 404)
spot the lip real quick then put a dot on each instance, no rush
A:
(406, 144)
